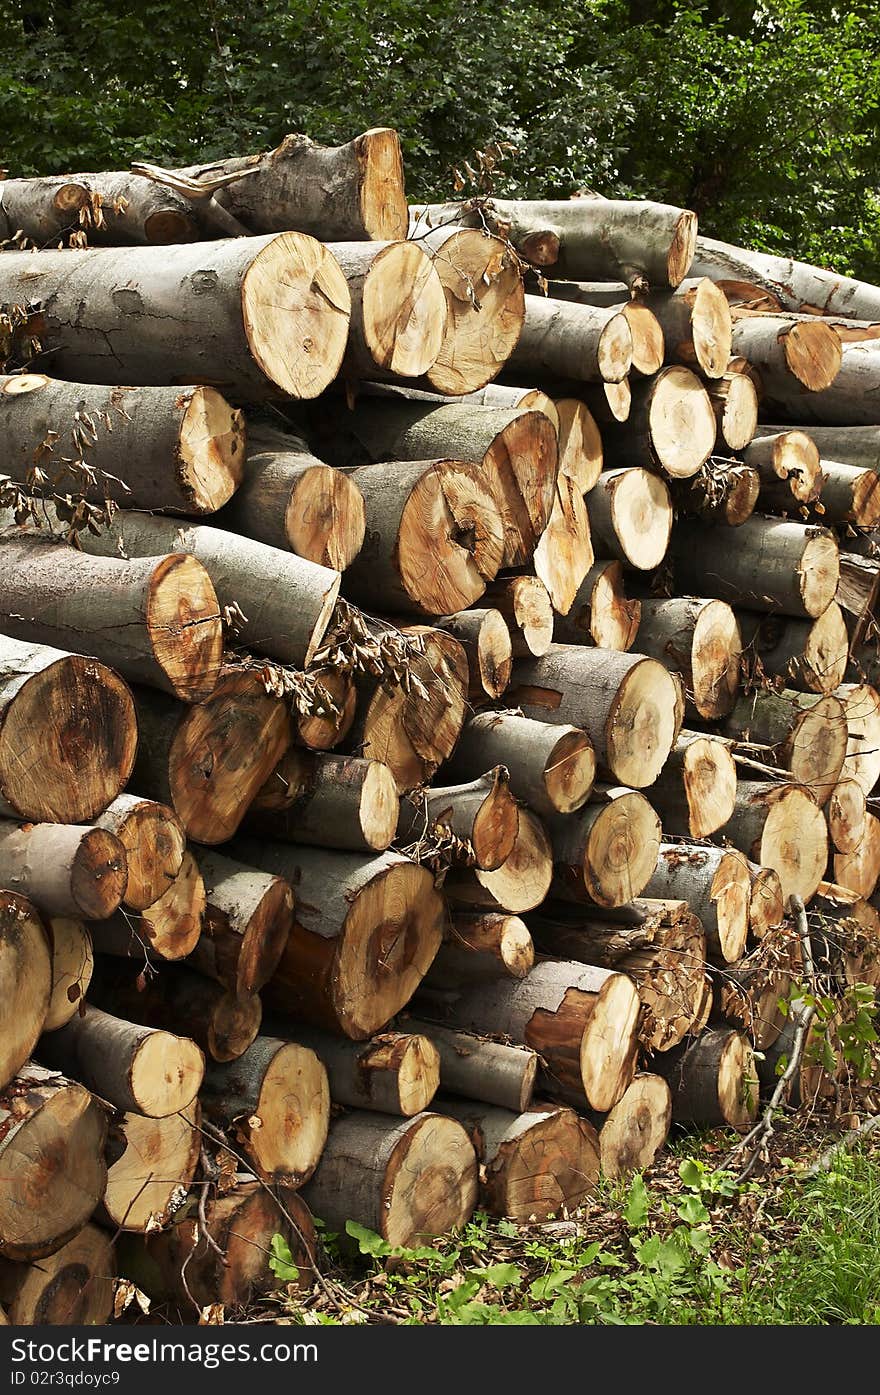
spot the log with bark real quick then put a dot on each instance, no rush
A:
(607, 851)
(332, 714)
(551, 768)
(222, 1023)
(167, 929)
(155, 620)
(808, 654)
(175, 449)
(479, 1069)
(627, 704)
(567, 342)
(65, 869)
(862, 704)
(794, 285)
(520, 883)
(701, 640)
(526, 607)
(748, 994)
(154, 843)
(781, 826)
(26, 981)
(406, 1181)
(735, 404)
(255, 317)
(631, 1136)
(52, 1168)
(481, 814)
(486, 641)
(68, 733)
(713, 1079)
(647, 335)
(850, 494)
(631, 517)
(794, 358)
(695, 792)
(72, 1287)
(393, 1073)
(365, 930)
(328, 801)
(247, 922)
(807, 735)
(671, 423)
(852, 445)
(850, 400)
(601, 613)
(789, 467)
(775, 565)
(109, 207)
(715, 883)
(398, 309)
(479, 947)
(697, 326)
(722, 492)
(151, 1165)
(73, 962)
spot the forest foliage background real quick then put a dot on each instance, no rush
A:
(764, 117)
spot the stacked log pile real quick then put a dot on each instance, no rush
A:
(436, 645)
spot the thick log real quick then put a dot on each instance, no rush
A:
(68, 734)
(486, 641)
(807, 735)
(276, 1098)
(241, 1224)
(480, 947)
(329, 801)
(209, 761)
(735, 404)
(169, 928)
(647, 335)
(859, 871)
(132, 1067)
(565, 341)
(671, 423)
(551, 768)
(862, 704)
(151, 1164)
(715, 883)
(725, 492)
(26, 981)
(804, 353)
(175, 449)
(631, 517)
(607, 851)
(564, 553)
(525, 604)
(600, 613)
(700, 640)
(65, 869)
(850, 400)
(695, 792)
(111, 207)
(587, 239)
(581, 1020)
(481, 814)
(72, 1287)
(406, 1181)
(72, 965)
(398, 309)
(697, 327)
(222, 1023)
(789, 466)
(713, 1079)
(286, 601)
(410, 733)
(845, 812)
(534, 1165)
(637, 1128)
(365, 931)
(794, 285)
(580, 444)
(518, 452)
(351, 191)
(626, 703)
(52, 1169)
(247, 922)
(154, 843)
(394, 1073)
(520, 883)
(479, 1069)
(774, 566)
(256, 317)
(781, 826)
(808, 654)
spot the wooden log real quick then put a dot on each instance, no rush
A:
(626, 703)
(695, 792)
(398, 309)
(541, 1163)
(647, 334)
(852, 445)
(735, 404)
(247, 922)
(413, 734)
(724, 493)
(565, 341)
(767, 903)
(858, 591)
(486, 641)
(850, 494)
(585, 239)
(151, 1164)
(479, 1069)
(287, 602)
(713, 1080)
(365, 930)
(551, 768)
(222, 1023)
(26, 981)
(52, 1134)
(700, 640)
(290, 500)
(520, 883)
(600, 613)
(607, 851)
(72, 965)
(671, 423)
(564, 553)
(219, 311)
(807, 353)
(331, 801)
(775, 565)
(406, 1181)
(483, 814)
(331, 720)
(208, 761)
(132, 1067)
(154, 843)
(789, 466)
(795, 285)
(393, 1073)
(581, 1020)
(845, 812)
(859, 871)
(176, 449)
(862, 704)
(631, 517)
(169, 928)
(68, 734)
(608, 402)
(480, 947)
(242, 1224)
(848, 401)
(65, 869)
(276, 1099)
(808, 654)
(72, 1287)
(715, 883)
(631, 1136)
(580, 443)
(111, 207)
(696, 323)
(781, 826)
(807, 735)
(154, 620)
(354, 190)
(525, 604)
(505, 394)
(517, 450)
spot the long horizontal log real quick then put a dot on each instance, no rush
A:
(853, 445)
(850, 400)
(796, 285)
(774, 566)
(65, 869)
(480, 1069)
(26, 973)
(850, 494)
(222, 1023)
(112, 206)
(551, 768)
(644, 327)
(631, 517)
(393, 1073)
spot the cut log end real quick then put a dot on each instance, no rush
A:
(637, 1127)
(99, 874)
(580, 444)
(26, 981)
(546, 1166)
(682, 247)
(379, 807)
(485, 308)
(569, 771)
(766, 903)
(383, 206)
(715, 660)
(404, 310)
(642, 724)
(794, 842)
(818, 573)
(845, 812)
(709, 775)
(72, 965)
(154, 844)
(615, 349)
(621, 850)
(681, 422)
(165, 1073)
(212, 450)
(172, 925)
(451, 518)
(711, 328)
(614, 619)
(641, 517)
(647, 339)
(522, 465)
(289, 1126)
(72, 1287)
(185, 627)
(737, 1082)
(814, 353)
(324, 521)
(152, 1164)
(418, 1074)
(430, 1184)
(609, 1046)
(736, 410)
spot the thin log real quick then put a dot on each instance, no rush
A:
(697, 325)
(478, 948)
(808, 654)
(845, 811)
(551, 768)
(247, 922)
(525, 604)
(486, 641)
(398, 309)
(724, 492)
(700, 640)
(483, 814)
(65, 869)
(859, 871)
(564, 340)
(222, 1023)
(715, 883)
(735, 403)
(647, 334)
(480, 1069)
(520, 883)
(151, 1164)
(601, 613)
(807, 353)
(111, 207)
(26, 975)
(394, 1073)
(848, 401)
(789, 466)
(695, 792)
(794, 285)
(329, 801)
(580, 443)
